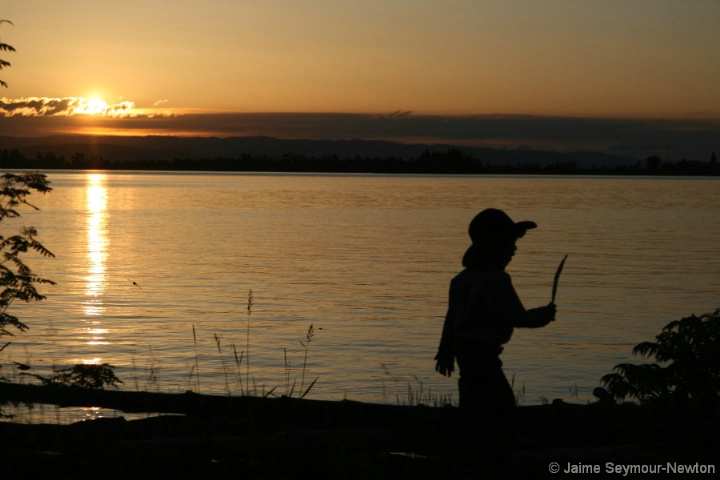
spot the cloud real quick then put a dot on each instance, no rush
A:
(66, 106)
(673, 139)
(638, 138)
(35, 106)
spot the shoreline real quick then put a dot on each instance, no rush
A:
(289, 438)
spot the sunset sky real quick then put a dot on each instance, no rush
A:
(646, 59)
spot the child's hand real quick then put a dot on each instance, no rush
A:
(445, 366)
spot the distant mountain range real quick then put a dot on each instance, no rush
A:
(162, 148)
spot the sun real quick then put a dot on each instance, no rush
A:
(93, 106)
(90, 106)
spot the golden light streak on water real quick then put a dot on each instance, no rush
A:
(97, 243)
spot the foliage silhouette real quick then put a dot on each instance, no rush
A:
(5, 48)
(691, 379)
(17, 280)
(91, 376)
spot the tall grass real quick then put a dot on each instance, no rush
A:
(290, 390)
(519, 393)
(247, 339)
(152, 372)
(134, 368)
(197, 368)
(419, 396)
(240, 381)
(238, 374)
(306, 346)
(248, 386)
(222, 360)
(415, 393)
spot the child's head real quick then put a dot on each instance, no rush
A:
(493, 235)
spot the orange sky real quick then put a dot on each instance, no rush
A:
(615, 58)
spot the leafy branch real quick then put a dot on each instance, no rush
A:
(5, 48)
(17, 280)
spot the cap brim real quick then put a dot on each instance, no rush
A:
(522, 227)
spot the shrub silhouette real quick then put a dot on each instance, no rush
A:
(91, 376)
(690, 378)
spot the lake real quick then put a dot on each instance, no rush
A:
(154, 269)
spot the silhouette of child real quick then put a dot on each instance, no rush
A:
(483, 310)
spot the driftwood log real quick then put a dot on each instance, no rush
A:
(282, 409)
(205, 436)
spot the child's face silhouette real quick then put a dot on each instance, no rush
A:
(504, 253)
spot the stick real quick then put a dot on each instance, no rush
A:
(557, 277)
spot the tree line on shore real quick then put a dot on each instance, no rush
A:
(450, 161)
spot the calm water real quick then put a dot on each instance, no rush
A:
(367, 261)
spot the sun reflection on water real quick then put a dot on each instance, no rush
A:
(93, 307)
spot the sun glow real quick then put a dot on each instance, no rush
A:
(97, 107)
(90, 106)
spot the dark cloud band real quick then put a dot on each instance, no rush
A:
(693, 139)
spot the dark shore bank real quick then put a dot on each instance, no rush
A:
(202, 436)
(278, 155)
